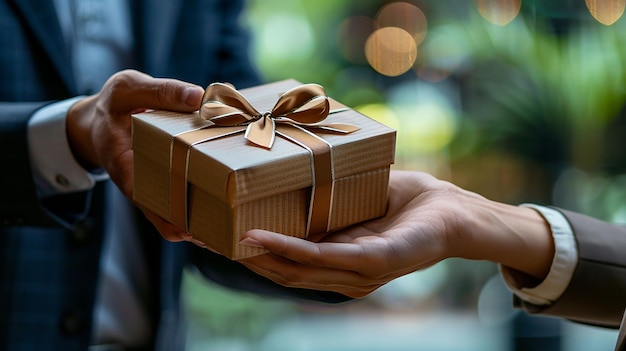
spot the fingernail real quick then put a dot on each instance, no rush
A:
(192, 96)
(251, 242)
(186, 236)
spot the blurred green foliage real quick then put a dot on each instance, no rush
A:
(549, 97)
(547, 88)
(530, 111)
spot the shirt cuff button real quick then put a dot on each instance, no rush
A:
(61, 180)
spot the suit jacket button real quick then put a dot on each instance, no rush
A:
(73, 323)
(82, 232)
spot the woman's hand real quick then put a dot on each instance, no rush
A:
(427, 220)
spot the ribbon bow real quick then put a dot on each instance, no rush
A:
(305, 105)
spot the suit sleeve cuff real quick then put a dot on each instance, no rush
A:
(55, 170)
(563, 264)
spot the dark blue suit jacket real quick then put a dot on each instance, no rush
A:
(50, 250)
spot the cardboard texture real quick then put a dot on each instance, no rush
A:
(233, 185)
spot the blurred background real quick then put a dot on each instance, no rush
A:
(518, 100)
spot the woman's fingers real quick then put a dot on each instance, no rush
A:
(338, 255)
(295, 275)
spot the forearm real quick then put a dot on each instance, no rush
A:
(80, 119)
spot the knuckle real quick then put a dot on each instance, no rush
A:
(315, 258)
(165, 93)
(120, 82)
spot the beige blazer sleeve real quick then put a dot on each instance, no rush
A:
(597, 292)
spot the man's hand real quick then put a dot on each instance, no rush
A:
(427, 220)
(99, 127)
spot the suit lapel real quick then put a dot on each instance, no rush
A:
(41, 17)
(158, 21)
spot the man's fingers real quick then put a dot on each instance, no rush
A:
(131, 90)
(167, 230)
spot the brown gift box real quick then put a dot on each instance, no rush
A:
(227, 185)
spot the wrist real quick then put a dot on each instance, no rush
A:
(515, 237)
(79, 124)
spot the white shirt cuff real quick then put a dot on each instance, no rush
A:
(55, 170)
(563, 264)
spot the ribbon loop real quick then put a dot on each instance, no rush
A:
(226, 95)
(304, 104)
(225, 116)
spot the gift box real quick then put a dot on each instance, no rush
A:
(309, 165)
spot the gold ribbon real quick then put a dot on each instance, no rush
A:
(296, 112)
(305, 105)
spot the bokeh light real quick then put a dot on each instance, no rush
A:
(500, 12)
(442, 53)
(391, 51)
(606, 12)
(381, 113)
(427, 114)
(278, 44)
(406, 16)
(430, 129)
(351, 37)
